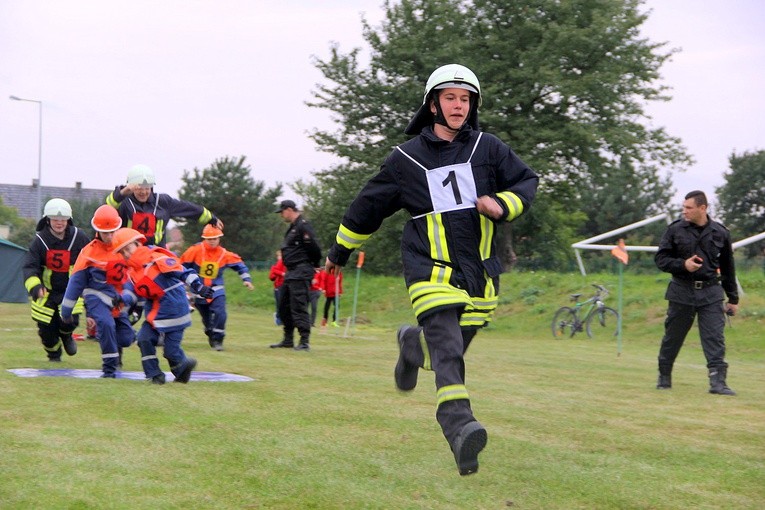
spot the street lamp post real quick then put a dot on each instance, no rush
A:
(39, 151)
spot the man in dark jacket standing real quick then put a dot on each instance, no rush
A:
(458, 184)
(301, 253)
(697, 252)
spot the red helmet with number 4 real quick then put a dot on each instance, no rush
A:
(124, 237)
(211, 232)
(106, 219)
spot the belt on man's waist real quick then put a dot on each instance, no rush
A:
(698, 284)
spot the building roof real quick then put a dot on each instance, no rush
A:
(24, 197)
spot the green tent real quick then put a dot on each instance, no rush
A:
(11, 276)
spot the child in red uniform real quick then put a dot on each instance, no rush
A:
(333, 289)
(278, 270)
(158, 276)
(98, 276)
(209, 259)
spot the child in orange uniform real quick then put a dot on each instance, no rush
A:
(158, 276)
(98, 276)
(208, 258)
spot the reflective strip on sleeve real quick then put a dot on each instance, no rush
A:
(32, 282)
(452, 392)
(349, 239)
(205, 217)
(513, 203)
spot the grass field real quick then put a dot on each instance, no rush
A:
(572, 425)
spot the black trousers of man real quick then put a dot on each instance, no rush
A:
(293, 304)
(679, 320)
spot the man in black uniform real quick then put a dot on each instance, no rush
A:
(459, 185)
(47, 264)
(697, 252)
(301, 253)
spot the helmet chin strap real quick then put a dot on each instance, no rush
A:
(439, 118)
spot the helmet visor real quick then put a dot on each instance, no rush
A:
(456, 85)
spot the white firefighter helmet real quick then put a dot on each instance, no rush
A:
(141, 175)
(57, 208)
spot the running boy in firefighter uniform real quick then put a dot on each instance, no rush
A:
(458, 184)
(47, 264)
(157, 275)
(209, 259)
(98, 277)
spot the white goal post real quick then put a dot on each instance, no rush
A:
(587, 244)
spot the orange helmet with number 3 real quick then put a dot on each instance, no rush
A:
(106, 219)
(211, 232)
(124, 237)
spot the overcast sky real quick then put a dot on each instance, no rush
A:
(176, 84)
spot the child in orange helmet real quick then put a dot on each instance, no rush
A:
(208, 259)
(158, 276)
(98, 276)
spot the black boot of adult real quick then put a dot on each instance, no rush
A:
(717, 385)
(665, 378)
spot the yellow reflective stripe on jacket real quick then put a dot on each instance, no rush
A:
(441, 274)
(349, 239)
(487, 236)
(437, 237)
(205, 217)
(110, 201)
(32, 282)
(40, 312)
(428, 295)
(513, 203)
(452, 392)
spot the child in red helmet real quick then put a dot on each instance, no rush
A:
(208, 259)
(98, 276)
(158, 276)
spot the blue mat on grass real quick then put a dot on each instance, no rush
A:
(82, 373)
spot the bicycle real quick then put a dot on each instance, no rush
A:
(583, 315)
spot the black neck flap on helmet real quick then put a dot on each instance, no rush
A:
(424, 117)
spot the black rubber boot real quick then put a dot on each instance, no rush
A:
(468, 444)
(405, 373)
(665, 378)
(717, 385)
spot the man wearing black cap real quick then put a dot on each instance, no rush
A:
(301, 253)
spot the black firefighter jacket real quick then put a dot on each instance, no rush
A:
(448, 249)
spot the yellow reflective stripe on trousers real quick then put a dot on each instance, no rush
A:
(350, 239)
(513, 203)
(437, 237)
(452, 392)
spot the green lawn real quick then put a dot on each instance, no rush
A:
(572, 425)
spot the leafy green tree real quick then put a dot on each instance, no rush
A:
(742, 197)
(244, 205)
(564, 84)
(21, 230)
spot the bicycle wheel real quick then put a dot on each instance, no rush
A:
(603, 319)
(564, 322)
